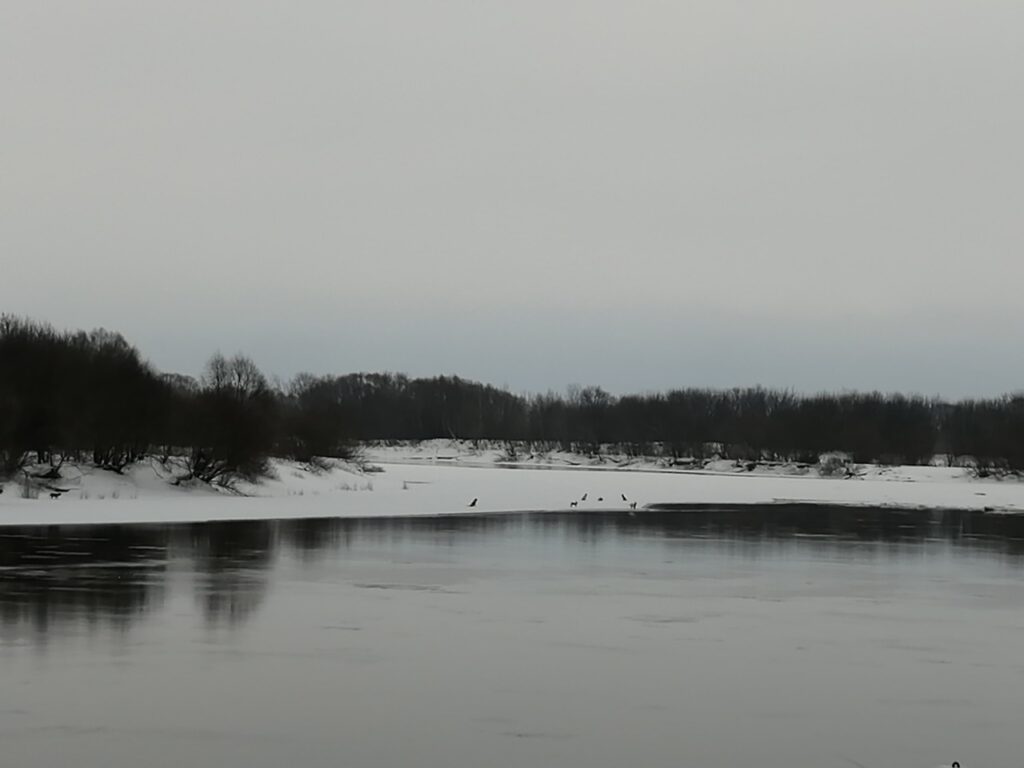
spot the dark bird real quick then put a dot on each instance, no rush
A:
(600, 498)
(54, 495)
(473, 503)
(584, 497)
(573, 503)
(632, 505)
(624, 497)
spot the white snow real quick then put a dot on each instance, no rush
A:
(433, 479)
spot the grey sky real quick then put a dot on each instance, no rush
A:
(635, 194)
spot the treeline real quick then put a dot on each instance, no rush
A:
(750, 424)
(91, 396)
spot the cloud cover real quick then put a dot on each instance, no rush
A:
(641, 195)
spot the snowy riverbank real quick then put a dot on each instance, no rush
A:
(415, 482)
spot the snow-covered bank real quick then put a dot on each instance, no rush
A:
(443, 487)
(468, 453)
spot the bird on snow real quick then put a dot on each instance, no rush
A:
(584, 497)
(600, 498)
(624, 497)
(573, 503)
(473, 503)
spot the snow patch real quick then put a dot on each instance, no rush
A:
(438, 479)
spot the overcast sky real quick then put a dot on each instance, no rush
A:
(811, 194)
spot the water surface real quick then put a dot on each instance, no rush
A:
(716, 638)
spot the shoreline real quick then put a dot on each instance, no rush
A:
(743, 514)
(434, 489)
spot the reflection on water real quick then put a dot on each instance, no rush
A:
(776, 636)
(230, 561)
(116, 574)
(52, 575)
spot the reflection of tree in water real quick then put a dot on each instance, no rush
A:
(54, 577)
(443, 529)
(899, 528)
(56, 580)
(93, 576)
(312, 538)
(749, 527)
(231, 562)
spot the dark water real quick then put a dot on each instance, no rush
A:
(715, 638)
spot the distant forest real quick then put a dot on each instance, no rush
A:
(91, 397)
